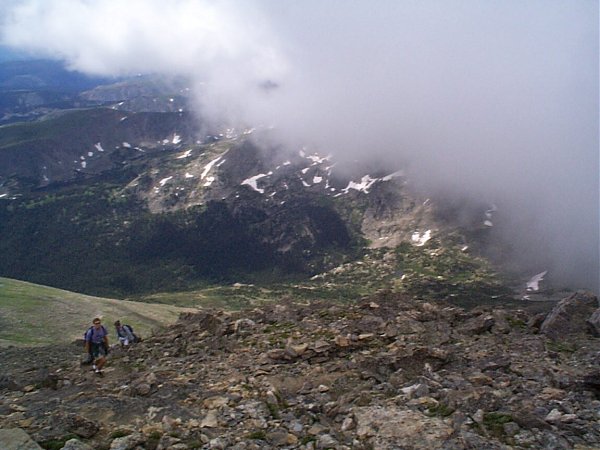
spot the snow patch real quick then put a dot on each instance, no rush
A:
(83, 164)
(176, 139)
(99, 147)
(364, 185)
(420, 239)
(90, 154)
(208, 167)
(186, 154)
(534, 283)
(252, 181)
(315, 158)
(189, 175)
(209, 181)
(488, 215)
(164, 181)
(317, 180)
(399, 173)
(126, 145)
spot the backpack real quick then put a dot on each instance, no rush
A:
(89, 332)
(136, 338)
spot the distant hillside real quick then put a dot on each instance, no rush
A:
(32, 314)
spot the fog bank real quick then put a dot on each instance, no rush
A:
(497, 101)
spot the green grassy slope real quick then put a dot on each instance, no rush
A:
(32, 314)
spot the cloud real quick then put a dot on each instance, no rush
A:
(222, 44)
(497, 101)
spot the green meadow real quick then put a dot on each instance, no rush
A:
(32, 314)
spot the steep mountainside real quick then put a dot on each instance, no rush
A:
(128, 197)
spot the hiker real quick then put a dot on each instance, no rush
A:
(96, 344)
(125, 334)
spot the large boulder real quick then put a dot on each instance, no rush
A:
(385, 427)
(594, 323)
(570, 315)
(17, 439)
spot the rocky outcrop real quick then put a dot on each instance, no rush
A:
(593, 323)
(17, 439)
(382, 372)
(570, 316)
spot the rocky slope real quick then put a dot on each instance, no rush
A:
(387, 372)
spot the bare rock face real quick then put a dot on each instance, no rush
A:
(570, 315)
(17, 439)
(389, 426)
(594, 323)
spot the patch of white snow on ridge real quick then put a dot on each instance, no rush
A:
(364, 185)
(3, 195)
(420, 239)
(317, 180)
(208, 167)
(99, 147)
(126, 145)
(189, 175)
(164, 180)
(176, 139)
(399, 173)
(90, 154)
(305, 184)
(306, 169)
(83, 164)
(315, 158)
(252, 181)
(488, 215)
(209, 181)
(534, 283)
(186, 154)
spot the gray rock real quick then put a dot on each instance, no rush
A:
(127, 442)
(478, 325)
(81, 426)
(17, 439)
(74, 444)
(570, 315)
(384, 427)
(594, 323)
